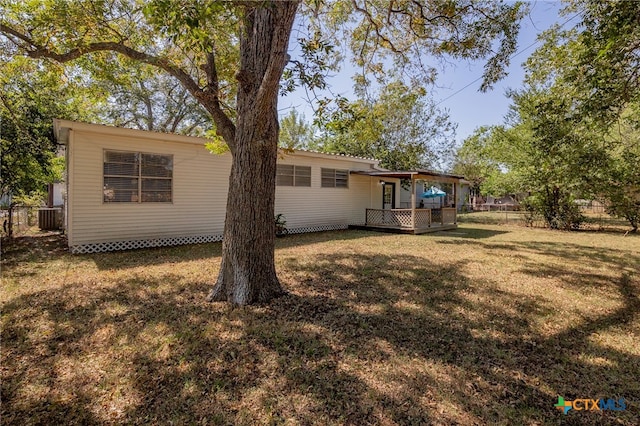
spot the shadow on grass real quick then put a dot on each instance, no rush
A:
(33, 247)
(468, 233)
(491, 344)
(38, 247)
(362, 339)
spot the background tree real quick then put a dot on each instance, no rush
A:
(567, 138)
(548, 152)
(295, 131)
(401, 128)
(620, 189)
(141, 98)
(578, 84)
(230, 56)
(32, 94)
(474, 160)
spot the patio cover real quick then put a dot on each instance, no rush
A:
(413, 175)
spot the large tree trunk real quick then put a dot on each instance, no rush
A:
(247, 273)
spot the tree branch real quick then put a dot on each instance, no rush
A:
(390, 45)
(17, 122)
(224, 124)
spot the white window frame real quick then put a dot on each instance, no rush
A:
(298, 175)
(334, 178)
(140, 177)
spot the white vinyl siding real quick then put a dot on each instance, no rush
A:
(199, 189)
(199, 184)
(317, 206)
(335, 178)
(292, 175)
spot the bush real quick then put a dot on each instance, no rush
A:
(625, 207)
(558, 209)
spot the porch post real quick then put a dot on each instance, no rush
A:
(455, 195)
(413, 203)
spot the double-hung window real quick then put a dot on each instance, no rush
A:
(136, 177)
(291, 175)
(335, 178)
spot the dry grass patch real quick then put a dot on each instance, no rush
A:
(482, 325)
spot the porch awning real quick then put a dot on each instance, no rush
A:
(412, 175)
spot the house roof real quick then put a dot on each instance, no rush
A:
(310, 151)
(62, 127)
(317, 154)
(413, 174)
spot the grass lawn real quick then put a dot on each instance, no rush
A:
(487, 324)
(592, 221)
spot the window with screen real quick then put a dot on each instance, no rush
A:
(335, 178)
(135, 177)
(290, 175)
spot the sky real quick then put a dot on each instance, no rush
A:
(471, 108)
(467, 107)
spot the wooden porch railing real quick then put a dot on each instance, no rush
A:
(402, 218)
(449, 215)
(389, 217)
(423, 218)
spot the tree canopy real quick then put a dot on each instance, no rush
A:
(598, 60)
(573, 130)
(481, 160)
(31, 96)
(139, 97)
(295, 131)
(400, 127)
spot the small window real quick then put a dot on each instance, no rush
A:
(290, 175)
(134, 177)
(302, 176)
(335, 178)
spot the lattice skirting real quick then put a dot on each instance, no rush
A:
(137, 244)
(319, 228)
(176, 241)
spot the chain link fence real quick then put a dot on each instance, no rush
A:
(22, 220)
(595, 219)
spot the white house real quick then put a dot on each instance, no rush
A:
(131, 188)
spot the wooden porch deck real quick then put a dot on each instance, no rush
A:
(409, 221)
